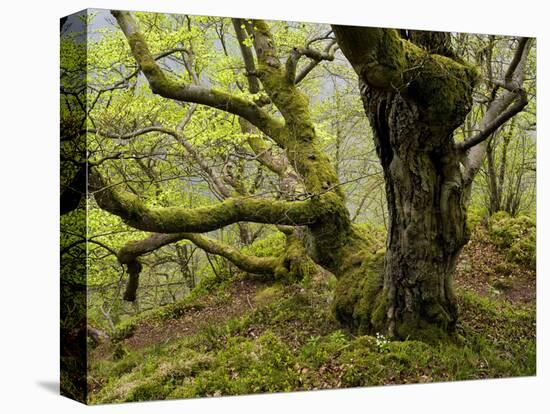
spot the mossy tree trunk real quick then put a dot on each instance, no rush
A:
(415, 94)
(427, 215)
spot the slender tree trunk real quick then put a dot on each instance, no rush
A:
(493, 186)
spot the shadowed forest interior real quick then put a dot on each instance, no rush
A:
(254, 206)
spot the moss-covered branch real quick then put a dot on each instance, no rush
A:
(248, 263)
(442, 87)
(293, 264)
(300, 140)
(164, 86)
(130, 253)
(377, 55)
(137, 214)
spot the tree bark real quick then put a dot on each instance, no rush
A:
(415, 94)
(414, 101)
(427, 215)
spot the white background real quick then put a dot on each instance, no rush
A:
(29, 199)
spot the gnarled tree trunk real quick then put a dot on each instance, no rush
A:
(427, 214)
(414, 100)
(415, 94)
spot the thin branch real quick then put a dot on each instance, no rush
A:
(164, 86)
(84, 240)
(248, 58)
(492, 126)
(510, 73)
(220, 186)
(315, 56)
(513, 85)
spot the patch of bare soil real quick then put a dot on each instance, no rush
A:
(239, 300)
(483, 269)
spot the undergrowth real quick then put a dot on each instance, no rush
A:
(290, 341)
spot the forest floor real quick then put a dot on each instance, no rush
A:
(246, 336)
(483, 269)
(239, 299)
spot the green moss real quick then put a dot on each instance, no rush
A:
(435, 312)
(384, 61)
(244, 366)
(268, 295)
(271, 245)
(476, 217)
(120, 352)
(524, 250)
(379, 313)
(413, 327)
(290, 344)
(124, 330)
(147, 391)
(359, 299)
(374, 236)
(294, 264)
(516, 236)
(335, 242)
(390, 52)
(441, 85)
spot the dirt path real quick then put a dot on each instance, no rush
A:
(240, 300)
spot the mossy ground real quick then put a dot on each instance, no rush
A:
(286, 339)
